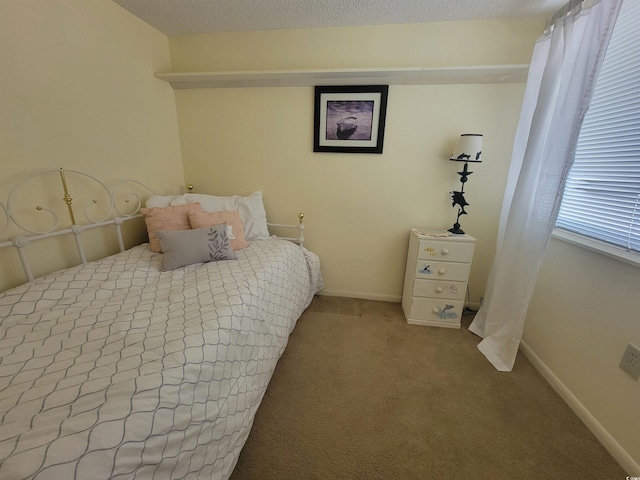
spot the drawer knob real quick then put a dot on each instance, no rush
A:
(438, 289)
(442, 271)
(445, 251)
(435, 311)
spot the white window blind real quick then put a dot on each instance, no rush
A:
(602, 194)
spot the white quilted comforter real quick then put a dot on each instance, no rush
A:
(116, 370)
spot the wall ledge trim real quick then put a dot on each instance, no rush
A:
(516, 73)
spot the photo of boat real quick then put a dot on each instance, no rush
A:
(347, 126)
(349, 120)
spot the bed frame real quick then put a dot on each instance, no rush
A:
(116, 214)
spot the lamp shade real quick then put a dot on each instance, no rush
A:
(469, 148)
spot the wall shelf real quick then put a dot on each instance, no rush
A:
(391, 76)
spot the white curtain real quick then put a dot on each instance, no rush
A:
(562, 73)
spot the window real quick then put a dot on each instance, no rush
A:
(602, 194)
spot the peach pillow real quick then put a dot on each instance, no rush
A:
(167, 218)
(200, 219)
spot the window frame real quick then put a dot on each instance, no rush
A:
(629, 37)
(597, 246)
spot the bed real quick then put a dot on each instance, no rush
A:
(122, 368)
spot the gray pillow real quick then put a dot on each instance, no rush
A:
(185, 247)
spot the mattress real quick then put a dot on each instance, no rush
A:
(117, 370)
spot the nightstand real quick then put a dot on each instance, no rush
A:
(435, 282)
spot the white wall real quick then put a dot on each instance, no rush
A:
(359, 208)
(77, 91)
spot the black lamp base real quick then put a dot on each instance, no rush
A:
(456, 230)
(458, 199)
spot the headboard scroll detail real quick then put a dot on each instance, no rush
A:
(100, 210)
(32, 200)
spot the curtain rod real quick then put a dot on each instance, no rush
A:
(569, 7)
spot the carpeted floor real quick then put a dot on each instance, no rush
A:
(360, 394)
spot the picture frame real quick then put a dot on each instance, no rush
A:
(350, 119)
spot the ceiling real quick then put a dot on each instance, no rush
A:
(176, 17)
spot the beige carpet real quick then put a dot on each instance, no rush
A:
(360, 394)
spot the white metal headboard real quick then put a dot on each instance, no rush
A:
(300, 227)
(10, 215)
(114, 216)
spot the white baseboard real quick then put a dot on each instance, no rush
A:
(377, 296)
(363, 296)
(610, 443)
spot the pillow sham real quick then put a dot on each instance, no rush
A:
(250, 208)
(186, 247)
(161, 201)
(254, 216)
(209, 203)
(168, 218)
(200, 219)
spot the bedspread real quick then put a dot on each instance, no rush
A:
(115, 369)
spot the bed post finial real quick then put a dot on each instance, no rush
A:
(189, 188)
(300, 229)
(67, 198)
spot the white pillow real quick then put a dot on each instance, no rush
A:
(161, 201)
(250, 208)
(208, 203)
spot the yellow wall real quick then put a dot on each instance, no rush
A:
(359, 208)
(487, 42)
(77, 91)
(580, 320)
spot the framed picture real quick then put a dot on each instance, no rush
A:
(350, 119)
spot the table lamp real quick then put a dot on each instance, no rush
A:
(468, 149)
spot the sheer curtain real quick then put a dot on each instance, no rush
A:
(562, 75)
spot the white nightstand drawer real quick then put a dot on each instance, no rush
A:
(424, 310)
(436, 276)
(450, 252)
(442, 270)
(439, 289)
